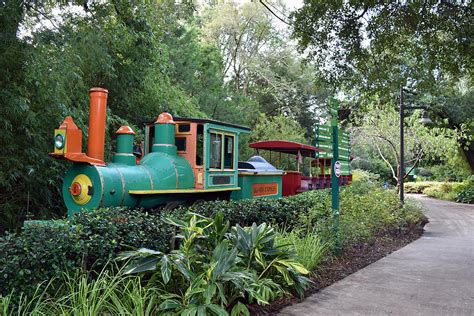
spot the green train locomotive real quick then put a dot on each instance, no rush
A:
(184, 160)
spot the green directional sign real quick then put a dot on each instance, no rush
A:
(323, 129)
(322, 137)
(344, 140)
(324, 154)
(325, 146)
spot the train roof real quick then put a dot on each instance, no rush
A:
(204, 121)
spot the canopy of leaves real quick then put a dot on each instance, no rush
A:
(386, 43)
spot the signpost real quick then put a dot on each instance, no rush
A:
(327, 136)
(334, 105)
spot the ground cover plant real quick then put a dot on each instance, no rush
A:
(85, 293)
(303, 238)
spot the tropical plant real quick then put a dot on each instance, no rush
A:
(217, 268)
(309, 248)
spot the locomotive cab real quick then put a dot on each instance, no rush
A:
(210, 147)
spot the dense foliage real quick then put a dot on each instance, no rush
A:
(92, 239)
(217, 268)
(387, 42)
(89, 240)
(373, 48)
(462, 192)
(171, 56)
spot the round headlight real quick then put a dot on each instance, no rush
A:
(59, 141)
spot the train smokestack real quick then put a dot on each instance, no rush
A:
(97, 112)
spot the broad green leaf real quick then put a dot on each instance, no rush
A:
(170, 304)
(217, 310)
(166, 269)
(141, 265)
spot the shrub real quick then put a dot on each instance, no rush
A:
(462, 192)
(365, 216)
(308, 246)
(359, 175)
(284, 211)
(91, 239)
(88, 240)
(418, 187)
(217, 268)
(465, 191)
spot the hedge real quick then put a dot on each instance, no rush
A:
(89, 240)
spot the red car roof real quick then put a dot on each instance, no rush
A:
(287, 147)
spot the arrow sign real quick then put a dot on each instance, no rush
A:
(324, 128)
(325, 155)
(324, 146)
(321, 137)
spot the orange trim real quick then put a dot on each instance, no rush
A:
(68, 123)
(73, 136)
(190, 154)
(125, 130)
(78, 157)
(165, 118)
(97, 112)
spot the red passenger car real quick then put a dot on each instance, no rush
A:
(299, 176)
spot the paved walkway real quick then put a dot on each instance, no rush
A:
(434, 275)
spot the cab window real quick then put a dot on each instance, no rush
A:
(215, 160)
(199, 145)
(228, 152)
(180, 143)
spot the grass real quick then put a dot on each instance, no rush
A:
(308, 246)
(83, 294)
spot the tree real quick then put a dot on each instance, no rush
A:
(241, 33)
(279, 127)
(369, 48)
(47, 75)
(387, 43)
(378, 130)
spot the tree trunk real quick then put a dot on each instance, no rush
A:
(469, 154)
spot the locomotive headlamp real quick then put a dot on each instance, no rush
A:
(81, 189)
(59, 141)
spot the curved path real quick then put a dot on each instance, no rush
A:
(433, 275)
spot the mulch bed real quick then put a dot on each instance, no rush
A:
(351, 260)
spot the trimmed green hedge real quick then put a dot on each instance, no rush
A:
(89, 240)
(284, 212)
(419, 187)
